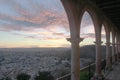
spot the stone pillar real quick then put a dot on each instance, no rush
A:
(98, 25)
(98, 75)
(117, 52)
(118, 48)
(113, 47)
(75, 58)
(117, 45)
(108, 54)
(108, 62)
(74, 14)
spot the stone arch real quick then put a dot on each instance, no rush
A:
(74, 14)
(106, 27)
(108, 52)
(75, 11)
(87, 27)
(94, 14)
(113, 44)
(97, 21)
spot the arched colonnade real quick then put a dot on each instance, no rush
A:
(75, 10)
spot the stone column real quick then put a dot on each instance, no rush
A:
(113, 47)
(117, 52)
(108, 63)
(98, 75)
(74, 14)
(98, 26)
(118, 48)
(117, 45)
(75, 58)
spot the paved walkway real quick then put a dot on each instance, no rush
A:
(115, 73)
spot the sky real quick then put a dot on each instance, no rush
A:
(38, 23)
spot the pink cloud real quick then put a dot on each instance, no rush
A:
(42, 22)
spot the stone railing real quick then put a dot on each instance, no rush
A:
(87, 68)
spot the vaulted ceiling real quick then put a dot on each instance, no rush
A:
(111, 9)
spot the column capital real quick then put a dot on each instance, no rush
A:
(96, 42)
(118, 44)
(113, 43)
(107, 43)
(73, 40)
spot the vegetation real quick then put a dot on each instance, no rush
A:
(44, 76)
(85, 75)
(41, 76)
(23, 76)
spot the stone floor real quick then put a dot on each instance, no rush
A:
(115, 73)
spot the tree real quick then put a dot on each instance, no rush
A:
(44, 76)
(23, 76)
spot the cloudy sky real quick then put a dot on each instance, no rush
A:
(38, 23)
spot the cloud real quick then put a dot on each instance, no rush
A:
(89, 35)
(43, 33)
(40, 20)
(92, 35)
(86, 20)
(60, 34)
(46, 36)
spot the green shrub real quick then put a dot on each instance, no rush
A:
(44, 76)
(23, 76)
(85, 75)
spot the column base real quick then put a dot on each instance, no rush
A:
(108, 68)
(113, 59)
(98, 77)
(116, 63)
(118, 59)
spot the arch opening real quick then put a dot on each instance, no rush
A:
(103, 39)
(87, 31)
(35, 24)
